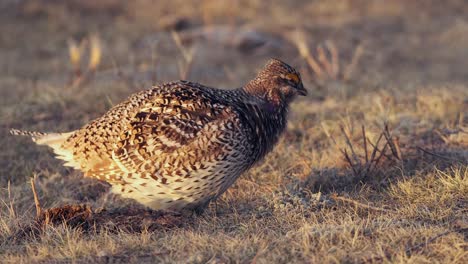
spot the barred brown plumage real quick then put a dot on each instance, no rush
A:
(180, 145)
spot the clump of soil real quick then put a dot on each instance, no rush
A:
(82, 216)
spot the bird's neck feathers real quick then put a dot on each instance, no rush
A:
(267, 116)
(266, 89)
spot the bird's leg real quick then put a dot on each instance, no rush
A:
(202, 207)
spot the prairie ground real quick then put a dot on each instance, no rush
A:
(373, 166)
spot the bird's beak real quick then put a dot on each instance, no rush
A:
(301, 90)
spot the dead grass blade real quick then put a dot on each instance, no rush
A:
(36, 198)
(335, 197)
(437, 155)
(11, 204)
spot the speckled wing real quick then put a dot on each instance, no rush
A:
(159, 131)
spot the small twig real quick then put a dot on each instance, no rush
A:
(373, 163)
(365, 142)
(390, 141)
(36, 198)
(351, 164)
(348, 141)
(396, 143)
(379, 151)
(358, 204)
(322, 58)
(437, 155)
(374, 152)
(381, 154)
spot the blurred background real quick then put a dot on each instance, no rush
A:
(64, 63)
(223, 41)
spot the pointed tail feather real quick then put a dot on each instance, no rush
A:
(53, 140)
(34, 135)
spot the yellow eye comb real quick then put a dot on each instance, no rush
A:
(293, 77)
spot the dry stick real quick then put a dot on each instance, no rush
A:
(322, 58)
(386, 155)
(389, 139)
(36, 199)
(374, 152)
(348, 141)
(381, 154)
(358, 204)
(343, 151)
(334, 58)
(356, 174)
(396, 143)
(365, 142)
(437, 155)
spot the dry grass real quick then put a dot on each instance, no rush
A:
(373, 167)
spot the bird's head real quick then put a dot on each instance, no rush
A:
(277, 82)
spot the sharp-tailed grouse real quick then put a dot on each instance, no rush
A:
(180, 145)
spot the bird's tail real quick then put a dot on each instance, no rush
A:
(49, 139)
(53, 140)
(32, 134)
